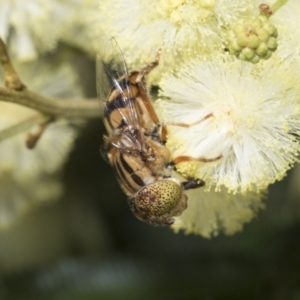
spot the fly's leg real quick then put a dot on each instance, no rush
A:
(192, 183)
(163, 133)
(147, 69)
(164, 130)
(185, 158)
(191, 124)
(140, 80)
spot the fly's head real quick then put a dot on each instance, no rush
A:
(158, 202)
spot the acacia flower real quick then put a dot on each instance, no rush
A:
(252, 120)
(75, 31)
(27, 177)
(182, 28)
(210, 213)
(34, 26)
(18, 198)
(287, 22)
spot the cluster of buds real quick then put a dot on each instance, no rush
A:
(252, 39)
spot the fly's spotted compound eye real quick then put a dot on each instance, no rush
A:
(158, 197)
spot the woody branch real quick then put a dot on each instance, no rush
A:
(16, 92)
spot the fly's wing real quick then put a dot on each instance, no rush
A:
(113, 88)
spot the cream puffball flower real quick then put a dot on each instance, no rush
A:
(252, 120)
(33, 26)
(18, 198)
(77, 28)
(210, 213)
(29, 177)
(182, 28)
(287, 22)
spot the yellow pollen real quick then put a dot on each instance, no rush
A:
(186, 11)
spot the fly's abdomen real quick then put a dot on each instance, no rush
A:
(131, 171)
(120, 107)
(117, 114)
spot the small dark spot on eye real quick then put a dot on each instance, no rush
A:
(147, 196)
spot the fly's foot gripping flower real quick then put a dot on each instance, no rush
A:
(252, 39)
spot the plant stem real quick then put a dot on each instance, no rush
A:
(21, 126)
(277, 5)
(48, 109)
(59, 108)
(12, 79)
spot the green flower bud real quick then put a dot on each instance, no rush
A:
(257, 23)
(272, 43)
(267, 55)
(235, 46)
(238, 29)
(255, 59)
(249, 53)
(252, 39)
(231, 50)
(270, 28)
(263, 35)
(242, 56)
(263, 19)
(242, 40)
(262, 49)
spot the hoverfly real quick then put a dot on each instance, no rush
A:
(135, 145)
